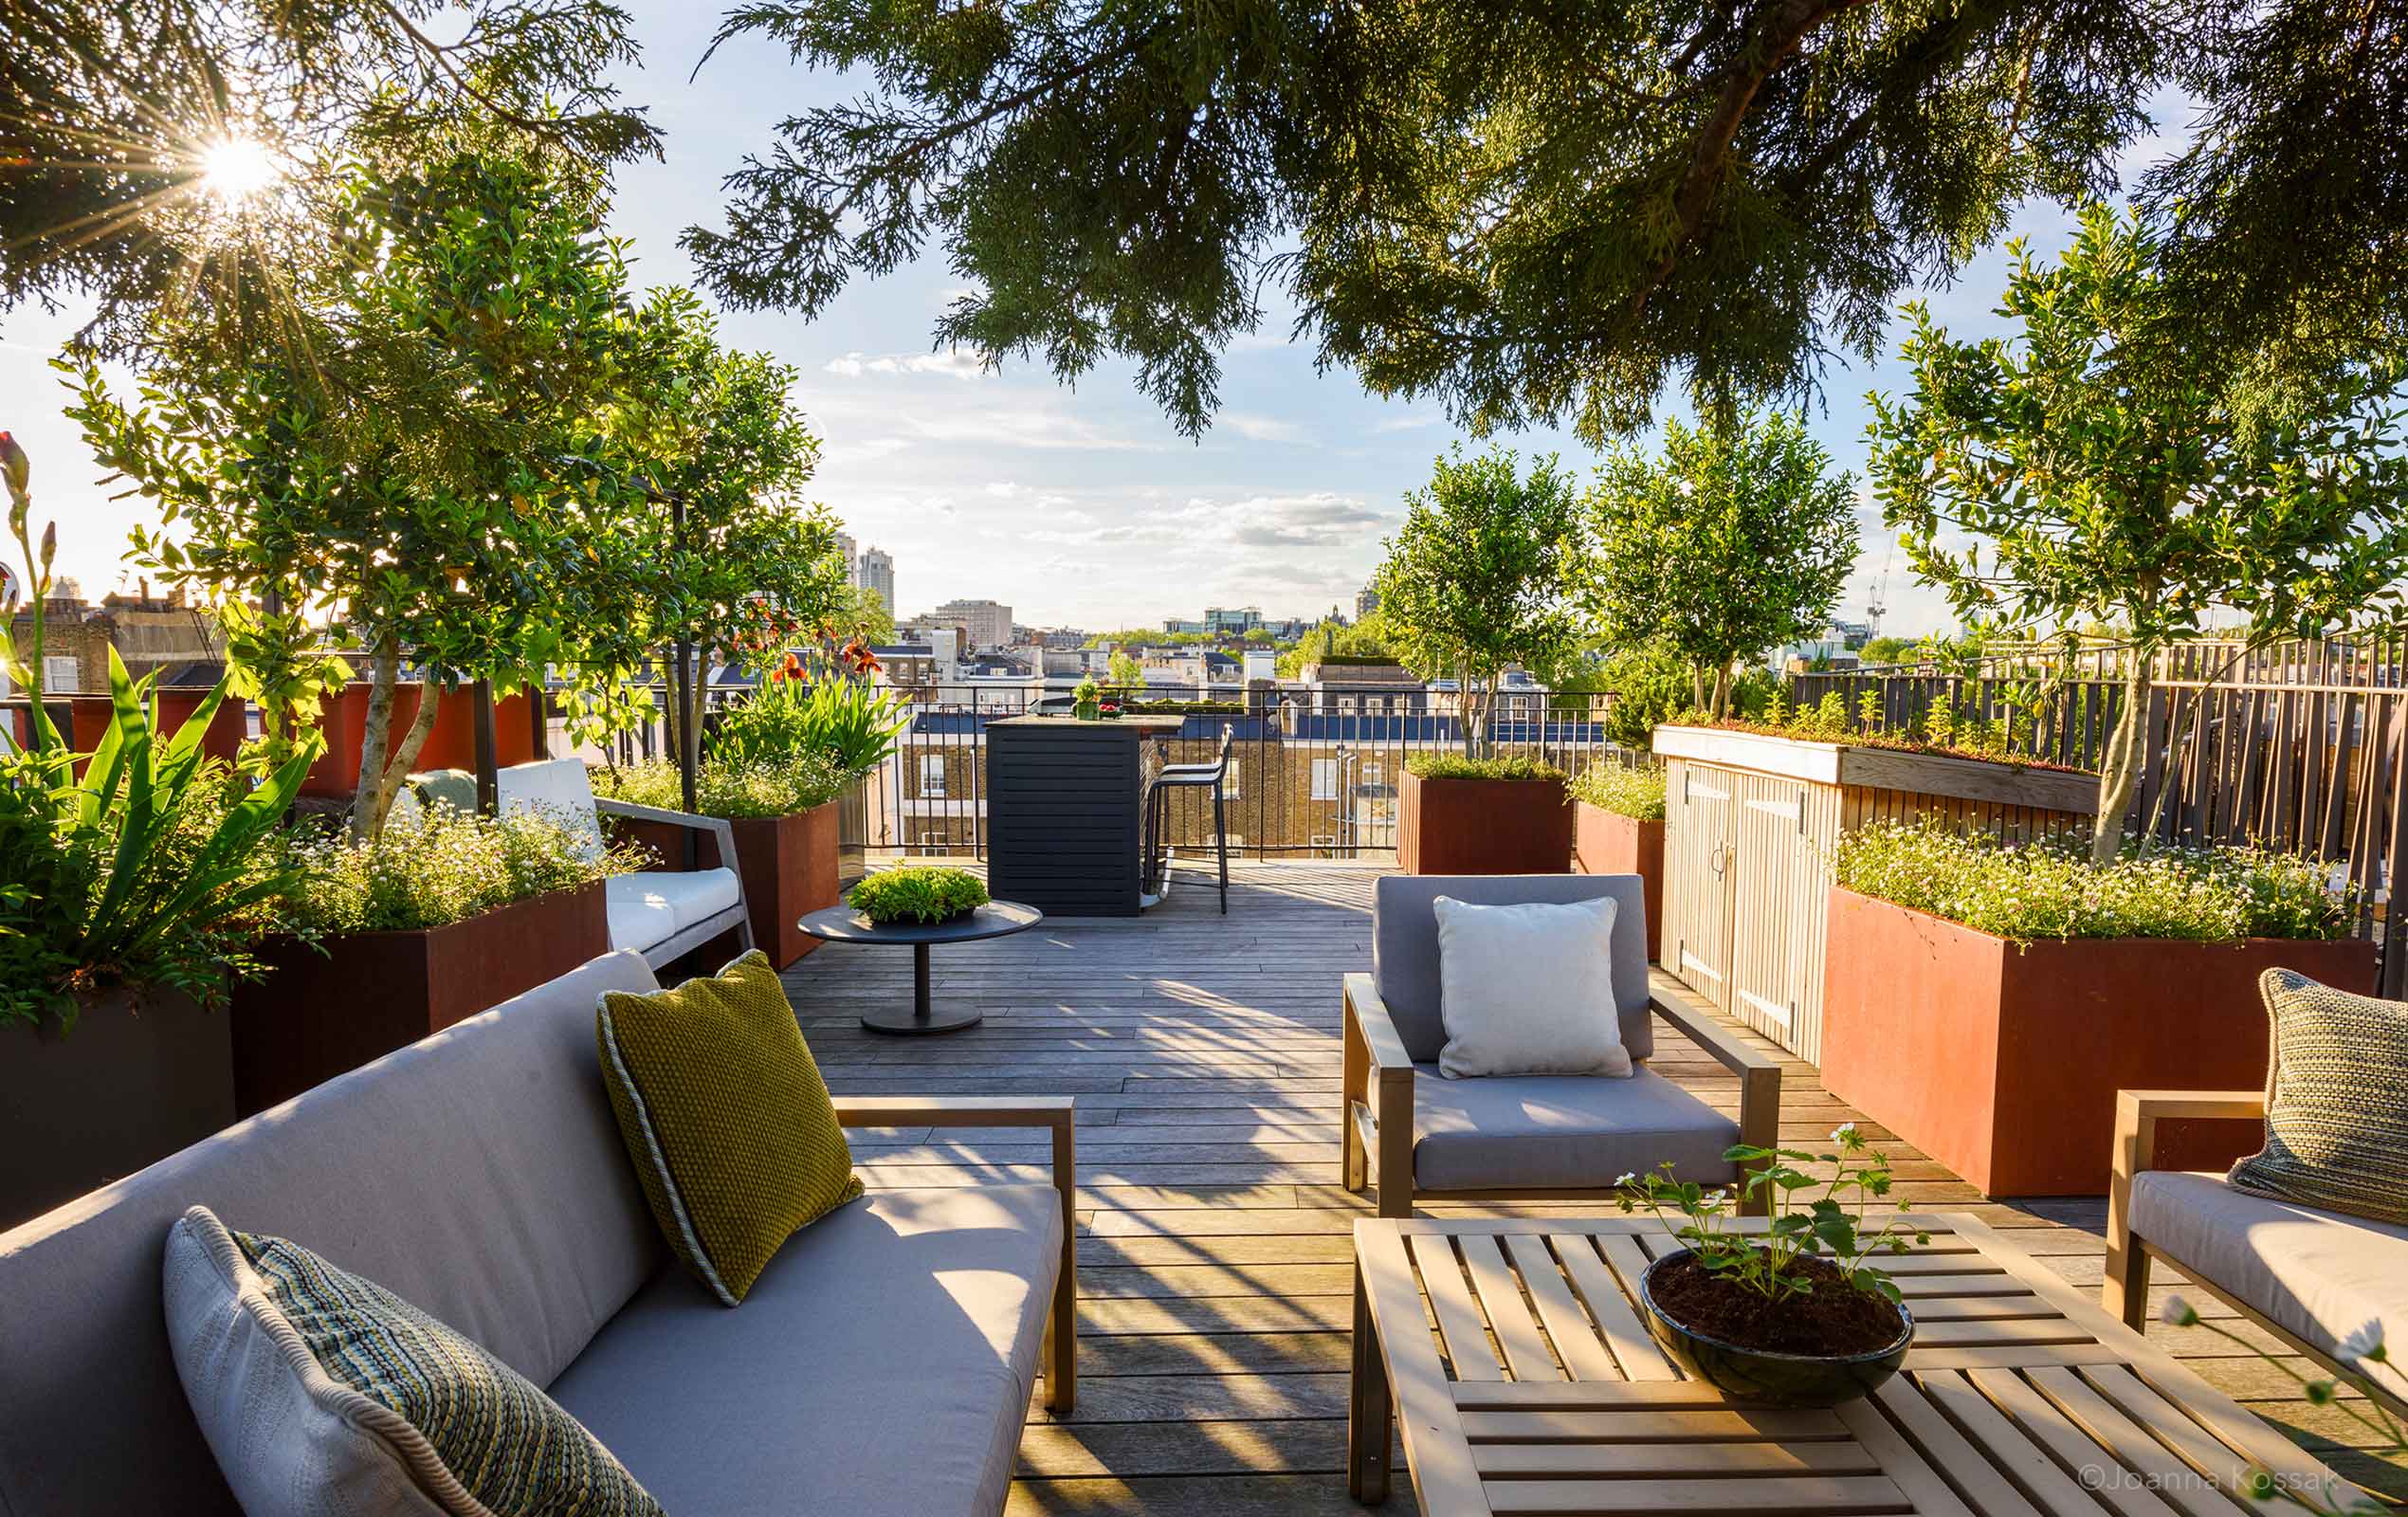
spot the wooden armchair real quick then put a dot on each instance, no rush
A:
(1539, 1138)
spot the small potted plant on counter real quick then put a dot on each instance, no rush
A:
(1794, 1313)
(1087, 701)
(920, 896)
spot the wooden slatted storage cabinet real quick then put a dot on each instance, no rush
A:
(1750, 824)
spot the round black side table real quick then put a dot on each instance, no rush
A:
(996, 919)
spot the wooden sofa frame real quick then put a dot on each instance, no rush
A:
(1376, 1113)
(2125, 1292)
(1055, 1113)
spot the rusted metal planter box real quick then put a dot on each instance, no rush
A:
(1750, 825)
(1606, 842)
(316, 1015)
(788, 866)
(2003, 1063)
(125, 1087)
(1483, 826)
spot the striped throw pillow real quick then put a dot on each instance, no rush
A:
(321, 1391)
(2336, 1101)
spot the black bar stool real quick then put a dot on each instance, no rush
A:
(1177, 776)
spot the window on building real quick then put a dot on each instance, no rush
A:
(60, 675)
(932, 775)
(1324, 779)
(1372, 774)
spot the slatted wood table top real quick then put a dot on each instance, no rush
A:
(1524, 1382)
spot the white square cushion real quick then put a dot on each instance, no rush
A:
(1528, 990)
(559, 790)
(650, 907)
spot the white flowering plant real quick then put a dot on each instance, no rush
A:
(1812, 1218)
(2048, 888)
(2364, 1348)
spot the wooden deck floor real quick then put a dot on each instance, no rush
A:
(1213, 1234)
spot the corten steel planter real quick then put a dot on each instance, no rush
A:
(1606, 842)
(318, 1015)
(94, 714)
(452, 744)
(1483, 826)
(125, 1087)
(2003, 1064)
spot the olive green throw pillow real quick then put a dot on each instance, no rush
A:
(2336, 1108)
(726, 1116)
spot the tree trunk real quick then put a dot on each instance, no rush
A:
(367, 817)
(1723, 692)
(2119, 777)
(1697, 688)
(380, 775)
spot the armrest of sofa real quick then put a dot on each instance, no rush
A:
(2137, 1114)
(1376, 1091)
(1760, 1074)
(1055, 1113)
(716, 828)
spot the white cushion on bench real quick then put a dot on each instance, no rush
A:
(653, 907)
(2317, 1274)
(559, 790)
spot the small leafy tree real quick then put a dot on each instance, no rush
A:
(1124, 671)
(1475, 580)
(2099, 482)
(428, 478)
(1737, 540)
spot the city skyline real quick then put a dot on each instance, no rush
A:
(1080, 506)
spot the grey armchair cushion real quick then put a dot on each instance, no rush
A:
(1562, 1131)
(478, 1174)
(1404, 946)
(883, 1364)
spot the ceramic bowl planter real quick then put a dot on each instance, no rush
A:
(1483, 826)
(1766, 1376)
(2002, 1063)
(1606, 842)
(126, 1085)
(320, 1014)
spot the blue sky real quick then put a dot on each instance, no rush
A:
(1080, 506)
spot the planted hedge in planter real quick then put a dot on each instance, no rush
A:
(1996, 1043)
(443, 916)
(1617, 828)
(1482, 816)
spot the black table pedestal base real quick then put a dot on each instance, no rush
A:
(922, 1018)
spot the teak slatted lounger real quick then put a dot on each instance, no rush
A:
(1538, 1389)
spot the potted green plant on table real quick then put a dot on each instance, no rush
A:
(1617, 828)
(919, 897)
(1087, 701)
(1985, 1000)
(1496, 815)
(130, 898)
(440, 916)
(1792, 1312)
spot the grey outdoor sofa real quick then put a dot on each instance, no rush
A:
(883, 1363)
(2309, 1276)
(1417, 1134)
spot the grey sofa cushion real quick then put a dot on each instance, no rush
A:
(881, 1365)
(1404, 945)
(2322, 1275)
(1561, 1131)
(478, 1173)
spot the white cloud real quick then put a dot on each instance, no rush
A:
(1410, 421)
(1006, 489)
(952, 364)
(1261, 429)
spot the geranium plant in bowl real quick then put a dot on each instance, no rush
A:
(1791, 1312)
(923, 897)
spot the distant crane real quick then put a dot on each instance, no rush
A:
(1880, 601)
